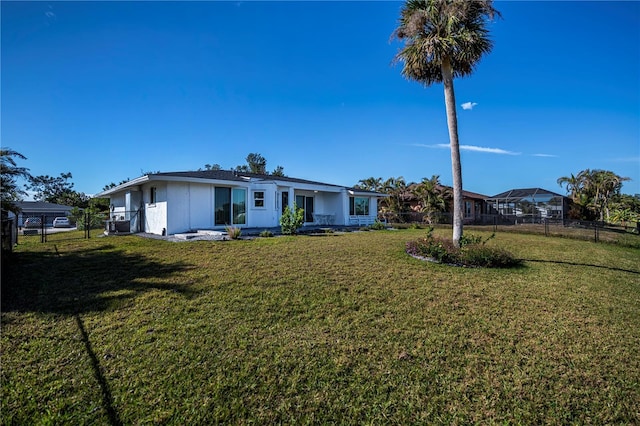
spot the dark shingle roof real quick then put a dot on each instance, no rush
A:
(238, 176)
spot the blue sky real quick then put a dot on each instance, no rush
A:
(109, 90)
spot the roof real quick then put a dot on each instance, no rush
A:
(516, 194)
(36, 206)
(228, 176)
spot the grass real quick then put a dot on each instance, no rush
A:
(346, 329)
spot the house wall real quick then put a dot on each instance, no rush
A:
(155, 218)
(118, 208)
(267, 216)
(182, 206)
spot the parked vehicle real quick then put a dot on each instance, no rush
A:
(61, 222)
(33, 222)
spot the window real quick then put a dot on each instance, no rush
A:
(285, 201)
(358, 206)
(152, 195)
(258, 199)
(239, 206)
(467, 209)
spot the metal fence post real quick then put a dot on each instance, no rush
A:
(546, 227)
(43, 236)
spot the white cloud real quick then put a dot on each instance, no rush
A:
(468, 105)
(472, 148)
(543, 155)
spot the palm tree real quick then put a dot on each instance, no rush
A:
(432, 197)
(370, 184)
(445, 39)
(593, 190)
(396, 188)
(573, 184)
(9, 172)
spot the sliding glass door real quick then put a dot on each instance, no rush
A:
(306, 203)
(227, 212)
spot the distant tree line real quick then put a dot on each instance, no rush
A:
(595, 195)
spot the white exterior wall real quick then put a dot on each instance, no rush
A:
(183, 206)
(118, 208)
(201, 206)
(190, 206)
(155, 215)
(178, 208)
(267, 216)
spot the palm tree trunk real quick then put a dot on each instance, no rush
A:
(456, 167)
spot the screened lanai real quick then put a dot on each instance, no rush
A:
(530, 204)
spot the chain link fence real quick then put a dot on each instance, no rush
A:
(625, 233)
(48, 228)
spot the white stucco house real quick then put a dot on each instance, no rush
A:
(177, 202)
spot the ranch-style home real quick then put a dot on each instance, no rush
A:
(177, 202)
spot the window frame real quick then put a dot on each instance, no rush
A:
(257, 199)
(354, 206)
(153, 196)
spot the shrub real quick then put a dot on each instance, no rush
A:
(266, 234)
(473, 252)
(378, 226)
(291, 220)
(233, 231)
(487, 257)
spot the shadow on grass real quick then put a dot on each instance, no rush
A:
(561, 262)
(89, 280)
(107, 398)
(84, 281)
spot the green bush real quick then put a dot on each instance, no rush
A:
(291, 220)
(472, 252)
(378, 226)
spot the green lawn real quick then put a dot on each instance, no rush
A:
(340, 328)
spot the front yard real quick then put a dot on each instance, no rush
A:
(318, 329)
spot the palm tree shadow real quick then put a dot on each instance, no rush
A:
(562, 262)
(93, 280)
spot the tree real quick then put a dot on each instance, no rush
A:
(257, 164)
(593, 191)
(370, 184)
(278, 171)
(215, 166)
(445, 39)
(396, 188)
(10, 192)
(432, 196)
(57, 190)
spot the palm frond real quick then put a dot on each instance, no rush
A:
(435, 31)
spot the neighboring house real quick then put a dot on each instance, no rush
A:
(474, 205)
(530, 204)
(177, 202)
(39, 208)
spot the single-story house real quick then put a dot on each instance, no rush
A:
(40, 208)
(177, 202)
(474, 205)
